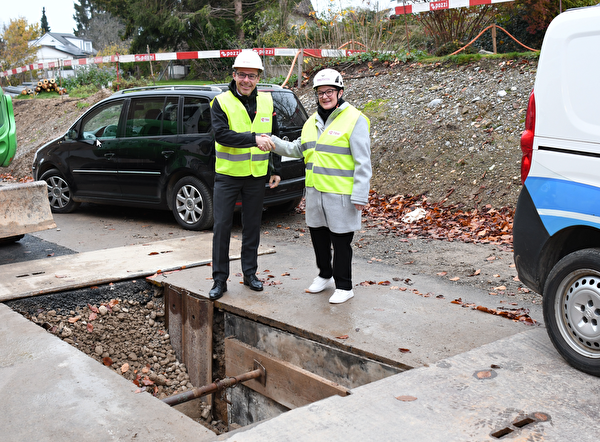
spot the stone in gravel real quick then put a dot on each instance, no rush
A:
(66, 332)
(99, 350)
(150, 305)
(132, 356)
(435, 103)
(103, 310)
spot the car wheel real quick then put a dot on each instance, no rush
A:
(571, 306)
(59, 192)
(192, 204)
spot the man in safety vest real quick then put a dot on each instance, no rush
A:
(242, 119)
(336, 148)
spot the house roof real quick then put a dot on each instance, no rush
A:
(61, 42)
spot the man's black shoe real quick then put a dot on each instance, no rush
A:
(218, 288)
(253, 282)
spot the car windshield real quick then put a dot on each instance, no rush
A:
(290, 112)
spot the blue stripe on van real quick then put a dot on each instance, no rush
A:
(563, 203)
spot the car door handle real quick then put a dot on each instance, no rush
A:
(167, 153)
(109, 155)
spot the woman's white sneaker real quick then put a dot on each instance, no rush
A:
(340, 296)
(319, 284)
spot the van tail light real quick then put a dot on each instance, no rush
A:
(527, 138)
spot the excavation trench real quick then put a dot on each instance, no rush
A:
(223, 367)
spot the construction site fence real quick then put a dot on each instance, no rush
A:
(171, 56)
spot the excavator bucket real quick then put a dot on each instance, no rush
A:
(24, 208)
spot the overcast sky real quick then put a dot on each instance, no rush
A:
(60, 12)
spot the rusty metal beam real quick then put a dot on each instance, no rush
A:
(258, 373)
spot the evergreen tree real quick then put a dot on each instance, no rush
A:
(44, 22)
(84, 13)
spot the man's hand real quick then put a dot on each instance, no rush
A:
(274, 181)
(265, 143)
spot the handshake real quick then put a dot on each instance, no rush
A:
(265, 143)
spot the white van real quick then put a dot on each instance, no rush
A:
(556, 228)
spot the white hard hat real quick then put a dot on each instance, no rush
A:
(328, 77)
(248, 59)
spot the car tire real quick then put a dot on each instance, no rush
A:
(571, 307)
(60, 194)
(192, 204)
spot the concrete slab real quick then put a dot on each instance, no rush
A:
(529, 386)
(378, 322)
(52, 391)
(30, 278)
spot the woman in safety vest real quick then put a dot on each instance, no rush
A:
(336, 148)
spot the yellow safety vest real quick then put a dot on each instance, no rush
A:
(235, 161)
(328, 159)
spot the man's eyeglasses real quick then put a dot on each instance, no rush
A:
(328, 93)
(243, 75)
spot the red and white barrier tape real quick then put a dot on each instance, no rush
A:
(437, 5)
(190, 55)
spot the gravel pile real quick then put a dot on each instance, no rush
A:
(122, 326)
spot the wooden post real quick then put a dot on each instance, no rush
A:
(406, 28)
(494, 37)
(150, 61)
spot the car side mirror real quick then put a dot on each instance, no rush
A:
(72, 134)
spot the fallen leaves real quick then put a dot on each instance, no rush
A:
(406, 398)
(484, 374)
(484, 225)
(516, 314)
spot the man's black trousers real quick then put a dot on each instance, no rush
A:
(226, 191)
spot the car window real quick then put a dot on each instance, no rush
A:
(170, 117)
(196, 115)
(152, 116)
(103, 122)
(290, 112)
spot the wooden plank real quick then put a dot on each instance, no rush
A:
(286, 383)
(174, 321)
(197, 343)
(68, 272)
